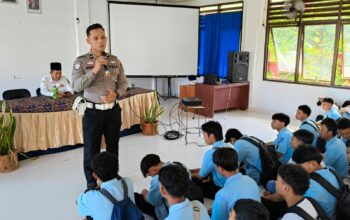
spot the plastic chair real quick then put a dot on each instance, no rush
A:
(15, 94)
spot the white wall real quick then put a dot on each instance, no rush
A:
(29, 42)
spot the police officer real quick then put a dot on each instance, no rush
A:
(101, 76)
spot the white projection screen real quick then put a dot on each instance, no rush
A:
(154, 40)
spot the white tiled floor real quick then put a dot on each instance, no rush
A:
(47, 188)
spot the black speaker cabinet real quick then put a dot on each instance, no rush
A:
(238, 63)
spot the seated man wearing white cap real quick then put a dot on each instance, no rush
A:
(55, 79)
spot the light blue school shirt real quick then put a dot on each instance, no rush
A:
(249, 154)
(96, 205)
(335, 156)
(184, 211)
(208, 166)
(282, 145)
(309, 125)
(237, 187)
(321, 195)
(155, 198)
(333, 114)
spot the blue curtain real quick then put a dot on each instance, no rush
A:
(219, 34)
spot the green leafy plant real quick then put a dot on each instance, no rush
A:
(150, 115)
(7, 130)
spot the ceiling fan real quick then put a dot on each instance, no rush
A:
(294, 8)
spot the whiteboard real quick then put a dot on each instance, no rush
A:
(154, 40)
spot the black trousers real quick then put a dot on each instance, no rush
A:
(96, 123)
(208, 187)
(144, 206)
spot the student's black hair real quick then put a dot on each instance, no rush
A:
(105, 166)
(226, 158)
(174, 179)
(281, 117)
(318, 103)
(306, 153)
(347, 143)
(329, 100)
(213, 127)
(149, 161)
(93, 27)
(321, 145)
(306, 109)
(343, 123)
(232, 133)
(331, 125)
(295, 176)
(249, 209)
(304, 136)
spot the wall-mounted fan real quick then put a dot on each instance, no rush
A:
(294, 8)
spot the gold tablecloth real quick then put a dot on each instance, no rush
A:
(40, 131)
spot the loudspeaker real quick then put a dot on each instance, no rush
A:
(238, 63)
(210, 79)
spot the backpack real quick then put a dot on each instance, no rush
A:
(342, 208)
(302, 213)
(268, 158)
(312, 124)
(124, 209)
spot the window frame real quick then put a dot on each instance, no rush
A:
(339, 25)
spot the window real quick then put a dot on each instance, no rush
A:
(342, 77)
(317, 54)
(282, 53)
(312, 47)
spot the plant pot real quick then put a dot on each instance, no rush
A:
(149, 129)
(9, 162)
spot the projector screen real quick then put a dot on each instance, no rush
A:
(154, 40)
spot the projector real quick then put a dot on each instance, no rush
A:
(191, 101)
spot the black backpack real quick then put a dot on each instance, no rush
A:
(124, 209)
(268, 158)
(342, 208)
(299, 211)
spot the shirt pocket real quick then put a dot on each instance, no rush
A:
(114, 69)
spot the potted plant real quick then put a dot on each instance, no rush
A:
(149, 117)
(8, 155)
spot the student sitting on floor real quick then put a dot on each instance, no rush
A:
(105, 170)
(247, 152)
(335, 155)
(344, 129)
(330, 112)
(292, 183)
(174, 182)
(237, 186)
(280, 122)
(303, 113)
(207, 177)
(300, 137)
(310, 159)
(151, 201)
(248, 209)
